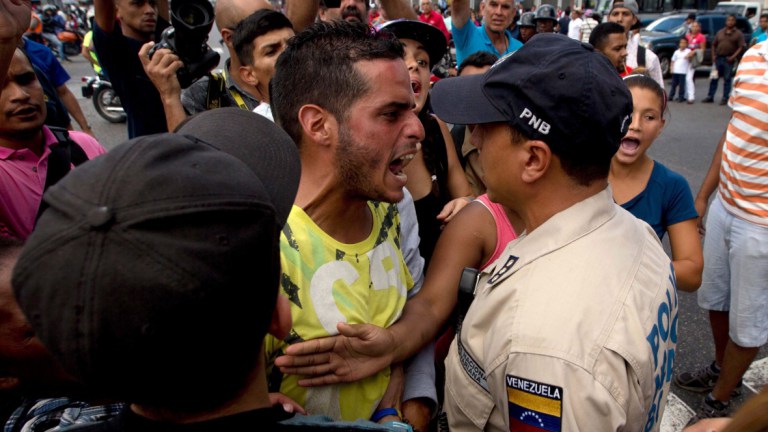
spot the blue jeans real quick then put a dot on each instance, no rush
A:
(724, 71)
(55, 44)
(678, 80)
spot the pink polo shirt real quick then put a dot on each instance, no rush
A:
(22, 179)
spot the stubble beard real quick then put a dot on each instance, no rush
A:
(355, 168)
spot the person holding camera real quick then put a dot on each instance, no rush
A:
(117, 45)
(255, 43)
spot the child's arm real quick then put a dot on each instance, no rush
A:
(687, 257)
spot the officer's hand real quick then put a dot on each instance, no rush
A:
(15, 16)
(709, 425)
(161, 70)
(359, 351)
(701, 209)
(289, 405)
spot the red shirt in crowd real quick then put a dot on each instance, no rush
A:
(434, 19)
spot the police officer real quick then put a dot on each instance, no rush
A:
(545, 18)
(574, 327)
(527, 27)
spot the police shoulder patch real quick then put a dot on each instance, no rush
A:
(534, 406)
(499, 275)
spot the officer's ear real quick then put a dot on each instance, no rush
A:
(539, 159)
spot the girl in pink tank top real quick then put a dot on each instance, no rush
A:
(476, 238)
(504, 231)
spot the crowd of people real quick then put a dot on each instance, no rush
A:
(316, 238)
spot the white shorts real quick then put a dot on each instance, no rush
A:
(735, 276)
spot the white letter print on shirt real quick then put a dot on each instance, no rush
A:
(321, 287)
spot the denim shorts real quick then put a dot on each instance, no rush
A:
(735, 276)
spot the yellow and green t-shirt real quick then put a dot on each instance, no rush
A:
(328, 282)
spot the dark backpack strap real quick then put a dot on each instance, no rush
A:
(215, 97)
(64, 153)
(640, 56)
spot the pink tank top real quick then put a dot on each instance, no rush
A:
(504, 231)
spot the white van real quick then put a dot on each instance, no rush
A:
(750, 10)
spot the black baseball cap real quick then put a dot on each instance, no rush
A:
(429, 36)
(553, 89)
(155, 270)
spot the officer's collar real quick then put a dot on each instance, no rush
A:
(561, 229)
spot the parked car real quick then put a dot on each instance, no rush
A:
(663, 35)
(751, 10)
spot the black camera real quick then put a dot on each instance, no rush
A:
(191, 21)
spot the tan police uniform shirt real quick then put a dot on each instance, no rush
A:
(573, 329)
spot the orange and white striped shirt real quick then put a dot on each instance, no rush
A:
(744, 169)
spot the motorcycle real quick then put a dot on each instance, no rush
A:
(72, 41)
(105, 100)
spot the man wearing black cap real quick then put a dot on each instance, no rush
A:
(624, 13)
(168, 266)
(574, 327)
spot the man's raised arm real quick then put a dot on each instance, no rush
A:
(14, 20)
(104, 14)
(460, 13)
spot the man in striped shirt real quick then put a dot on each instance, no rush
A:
(736, 246)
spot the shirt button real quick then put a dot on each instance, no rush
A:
(34, 169)
(20, 157)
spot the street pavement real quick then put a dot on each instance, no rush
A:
(686, 146)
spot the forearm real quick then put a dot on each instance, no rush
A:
(752, 417)
(712, 178)
(736, 54)
(417, 327)
(104, 11)
(460, 13)
(174, 111)
(69, 101)
(688, 274)
(302, 13)
(396, 9)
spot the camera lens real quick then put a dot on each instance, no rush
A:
(193, 15)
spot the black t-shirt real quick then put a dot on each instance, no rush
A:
(119, 56)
